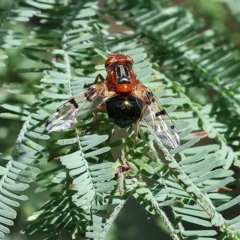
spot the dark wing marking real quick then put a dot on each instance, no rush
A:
(76, 108)
(156, 116)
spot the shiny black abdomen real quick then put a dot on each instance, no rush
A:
(124, 110)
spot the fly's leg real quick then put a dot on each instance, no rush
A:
(98, 77)
(138, 122)
(138, 127)
(100, 108)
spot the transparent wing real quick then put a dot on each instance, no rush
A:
(76, 108)
(156, 116)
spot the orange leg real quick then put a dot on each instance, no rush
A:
(98, 77)
(100, 108)
(138, 122)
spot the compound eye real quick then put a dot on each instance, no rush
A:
(129, 59)
(110, 61)
(111, 66)
(129, 64)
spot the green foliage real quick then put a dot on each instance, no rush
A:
(87, 183)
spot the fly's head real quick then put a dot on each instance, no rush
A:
(118, 58)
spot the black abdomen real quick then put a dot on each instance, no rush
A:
(124, 110)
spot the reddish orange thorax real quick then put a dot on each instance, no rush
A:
(120, 75)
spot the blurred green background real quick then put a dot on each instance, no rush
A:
(133, 221)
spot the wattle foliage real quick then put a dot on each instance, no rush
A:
(88, 184)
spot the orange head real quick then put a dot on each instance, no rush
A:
(118, 59)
